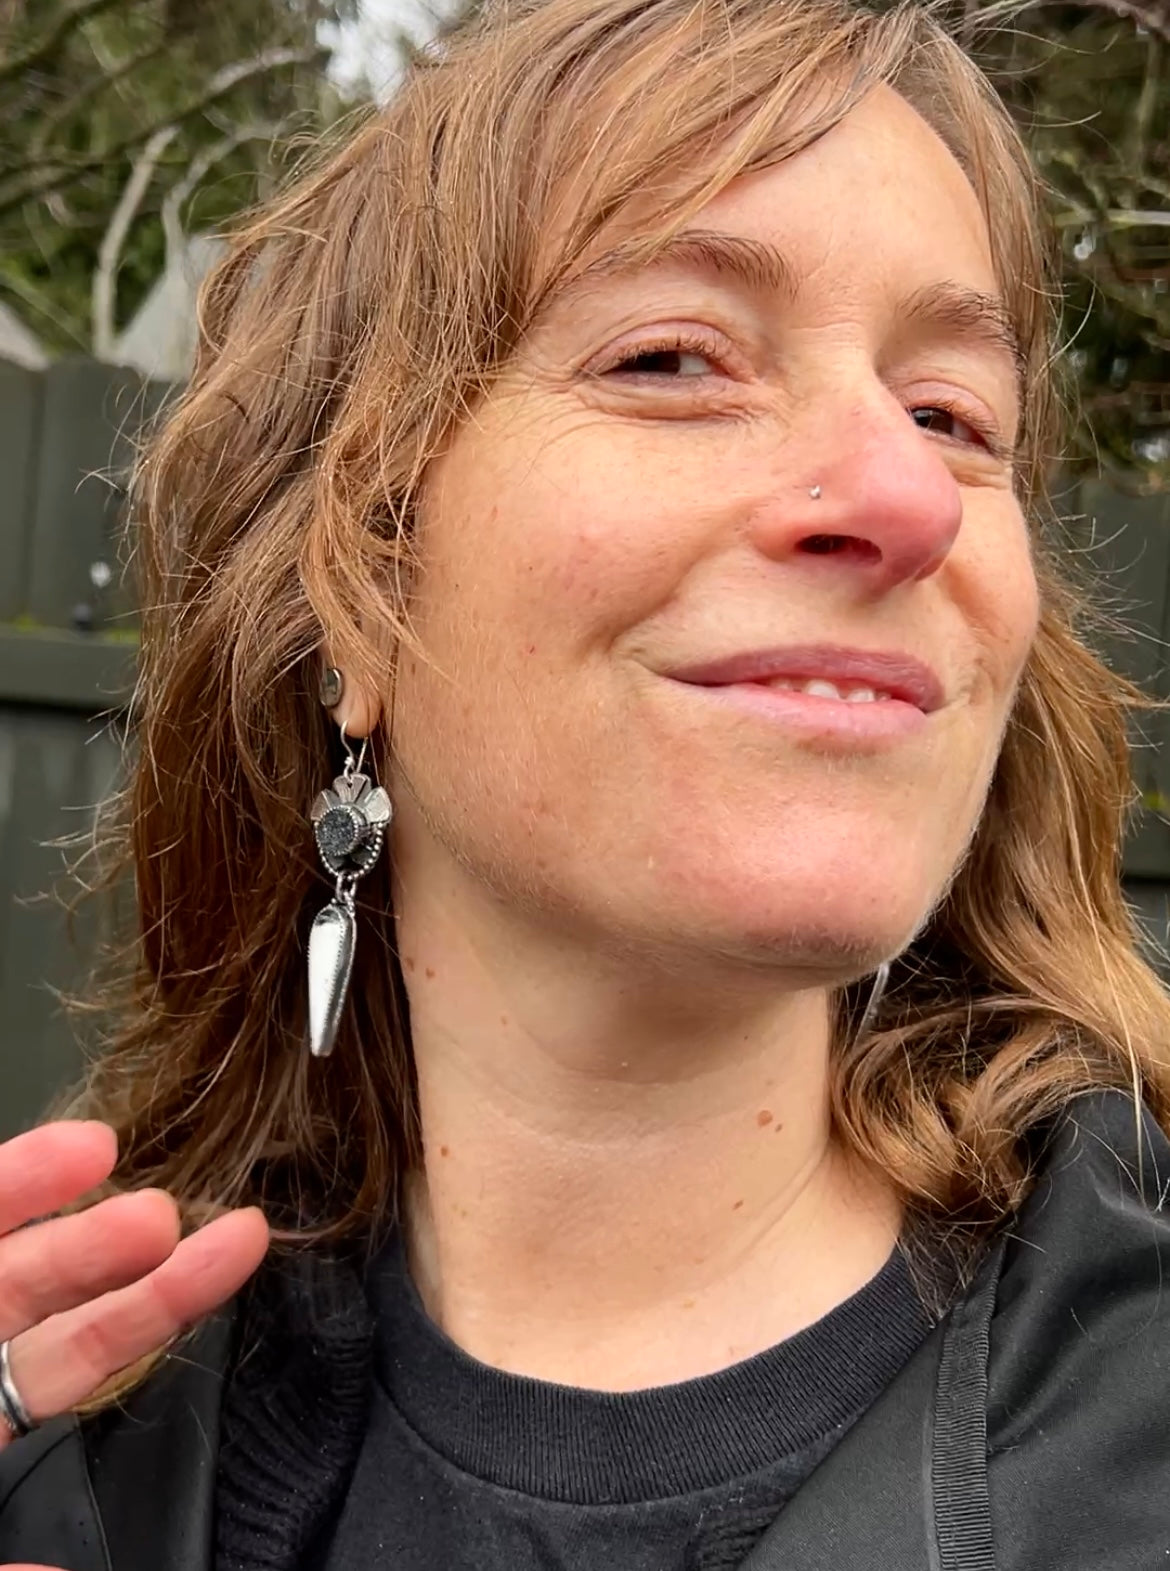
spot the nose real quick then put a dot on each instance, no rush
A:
(877, 497)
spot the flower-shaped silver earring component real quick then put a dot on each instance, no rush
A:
(349, 825)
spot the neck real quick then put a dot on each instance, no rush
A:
(630, 1175)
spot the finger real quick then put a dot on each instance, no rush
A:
(46, 1169)
(62, 1361)
(59, 1264)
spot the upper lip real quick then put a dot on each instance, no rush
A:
(886, 671)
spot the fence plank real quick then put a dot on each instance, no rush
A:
(52, 768)
(21, 393)
(1128, 544)
(58, 669)
(91, 414)
(1128, 553)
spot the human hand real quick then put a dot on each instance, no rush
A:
(86, 1295)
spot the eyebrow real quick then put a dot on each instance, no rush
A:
(950, 309)
(756, 264)
(958, 312)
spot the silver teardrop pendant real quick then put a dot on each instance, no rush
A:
(331, 945)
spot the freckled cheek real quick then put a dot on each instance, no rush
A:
(566, 576)
(1001, 605)
(1018, 618)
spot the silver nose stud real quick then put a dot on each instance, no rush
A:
(815, 493)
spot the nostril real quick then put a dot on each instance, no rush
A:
(838, 545)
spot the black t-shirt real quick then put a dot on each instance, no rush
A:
(466, 1468)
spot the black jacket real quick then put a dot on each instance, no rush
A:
(1031, 1431)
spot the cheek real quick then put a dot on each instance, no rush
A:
(1000, 599)
(1020, 621)
(540, 573)
(521, 583)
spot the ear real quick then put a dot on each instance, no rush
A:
(358, 710)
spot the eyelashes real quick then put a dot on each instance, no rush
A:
(670, 349)
(682, 358)
(983, 432)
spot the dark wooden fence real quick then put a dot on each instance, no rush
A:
(67, 645)
(66, 666)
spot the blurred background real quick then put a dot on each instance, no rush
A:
(132, 131)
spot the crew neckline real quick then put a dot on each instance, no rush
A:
(566, 1443)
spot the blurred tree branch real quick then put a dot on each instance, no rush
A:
(61, 173)
(109, 107)
(44, 49)
(1150, 15)
(110, 250)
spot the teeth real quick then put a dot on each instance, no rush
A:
(817, 687)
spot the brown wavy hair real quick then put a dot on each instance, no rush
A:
(354, 321)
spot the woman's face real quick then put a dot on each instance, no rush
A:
(780, 455)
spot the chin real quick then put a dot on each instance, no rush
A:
(822, 951)
(831, 929)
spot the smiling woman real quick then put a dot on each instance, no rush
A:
(693, 1097)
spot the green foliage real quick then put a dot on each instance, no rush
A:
(1090, 84)
(88, 90)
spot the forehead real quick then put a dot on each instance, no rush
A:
(880, 187)
(879, 190)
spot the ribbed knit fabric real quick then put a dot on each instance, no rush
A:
(294, 1415)
(596, 1447)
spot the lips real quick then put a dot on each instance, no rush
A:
(826, 671)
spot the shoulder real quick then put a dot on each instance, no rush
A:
(47, 1512)
(131, 1486)
(1092, 1243)
(134, 1487)
(1079, 1377)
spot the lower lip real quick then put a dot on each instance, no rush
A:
(874, 722)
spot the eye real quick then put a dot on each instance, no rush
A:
(941, 421)
(672, 359)
(665, 362)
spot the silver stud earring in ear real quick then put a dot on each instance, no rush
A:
(813, 491)
(330, 687)
(349, 825)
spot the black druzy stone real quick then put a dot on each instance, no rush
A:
(340, 832)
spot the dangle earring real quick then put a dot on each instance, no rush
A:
(349, 825)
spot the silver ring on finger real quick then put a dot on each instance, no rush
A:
(12, 1408)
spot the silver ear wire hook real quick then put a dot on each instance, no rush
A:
(353, 766)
